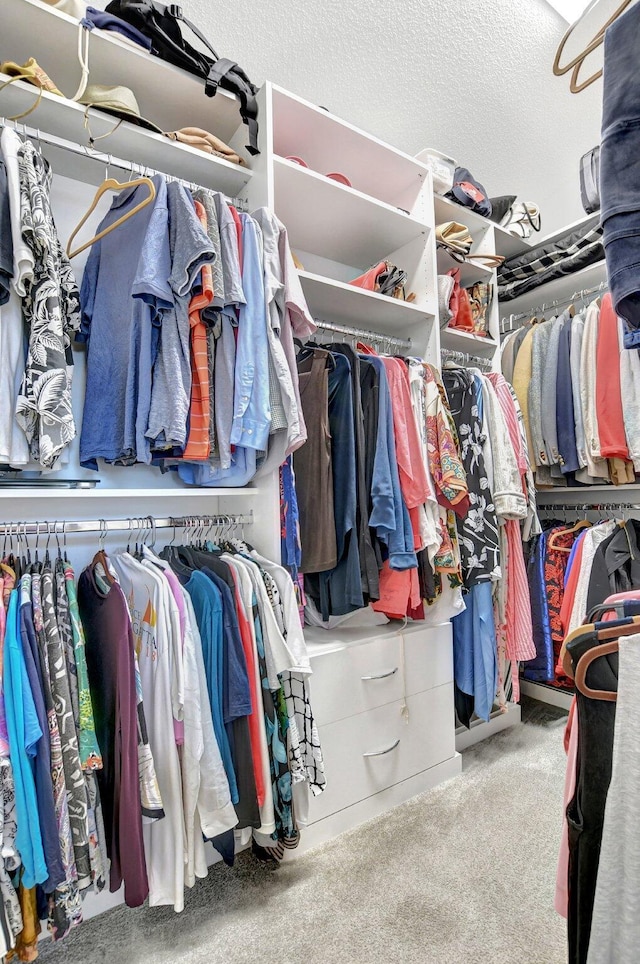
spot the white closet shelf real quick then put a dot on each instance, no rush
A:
(580, 494)
(166, 95)
(322, 641)
(98, 493)
(506, 244)
(448, 210)
(470, 271)
(559, 289)
(467, 342)
(335, 221)
(328, 143)
(341, 302)
(65, 119)
(509, 245)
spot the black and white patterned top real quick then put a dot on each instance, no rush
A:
(51, 309)
(478, 530)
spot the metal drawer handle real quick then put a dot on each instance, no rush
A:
(391, 672)
(382, 752)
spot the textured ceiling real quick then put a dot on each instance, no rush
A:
(470, 78)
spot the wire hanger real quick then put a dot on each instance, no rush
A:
(110, 184)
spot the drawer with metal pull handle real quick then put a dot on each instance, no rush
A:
(394, 746)
(377, 749)
(391, 672)
(355, 678)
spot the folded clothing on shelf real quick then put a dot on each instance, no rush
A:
(564, 256)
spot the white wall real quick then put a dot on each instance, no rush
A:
(470, 78)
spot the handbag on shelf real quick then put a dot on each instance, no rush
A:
(469, 192)
(456, 240)
(445, 291)
(501, 206)
(459, 305)
(162, 26)
(385, 279)
(522, 218)
(480, 296)
(590, 180)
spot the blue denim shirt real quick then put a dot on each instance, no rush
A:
(251, 411)
(389, 516)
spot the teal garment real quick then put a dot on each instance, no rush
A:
(24, 733)
(90, 755)
(207, 604)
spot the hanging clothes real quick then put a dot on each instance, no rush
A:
(110, 665)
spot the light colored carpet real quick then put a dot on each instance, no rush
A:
(463, 874)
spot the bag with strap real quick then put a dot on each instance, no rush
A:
(384, 278)
(590, 180)
(522, 218)
(162, 26)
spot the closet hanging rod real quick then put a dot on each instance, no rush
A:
(586, 506)
(132, 167)
(65, 527)
(362, 333)
(507, 324)
(450, 354)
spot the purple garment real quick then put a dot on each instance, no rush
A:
(107, 21)
(572, 555)
(110, 664)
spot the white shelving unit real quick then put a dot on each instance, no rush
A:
(337, 232)
(339, 301)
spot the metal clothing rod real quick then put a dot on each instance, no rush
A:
(507, 324)
(129, 525)
(586, 506)
(362, 333)
(110, 161)
(465, 358)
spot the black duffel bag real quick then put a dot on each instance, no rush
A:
(162, 26)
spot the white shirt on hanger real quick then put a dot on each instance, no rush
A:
(147, 594)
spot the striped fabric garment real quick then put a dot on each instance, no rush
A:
(519, 643)
(199, 442)
(562, 257)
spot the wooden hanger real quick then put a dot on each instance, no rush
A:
(111, 185)
(582, 524)
(593, 44)
(618, 627)
(585, 661)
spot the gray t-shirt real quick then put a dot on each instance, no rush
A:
(190, 249)
(125, 298)
(233, 291)
(206, 200)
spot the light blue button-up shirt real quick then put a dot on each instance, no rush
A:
(251, 411)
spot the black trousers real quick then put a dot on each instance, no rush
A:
(585, 812)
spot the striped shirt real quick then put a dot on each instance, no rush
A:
(198, 443)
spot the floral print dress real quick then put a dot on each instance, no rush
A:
(51, 310)
(478, 529)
